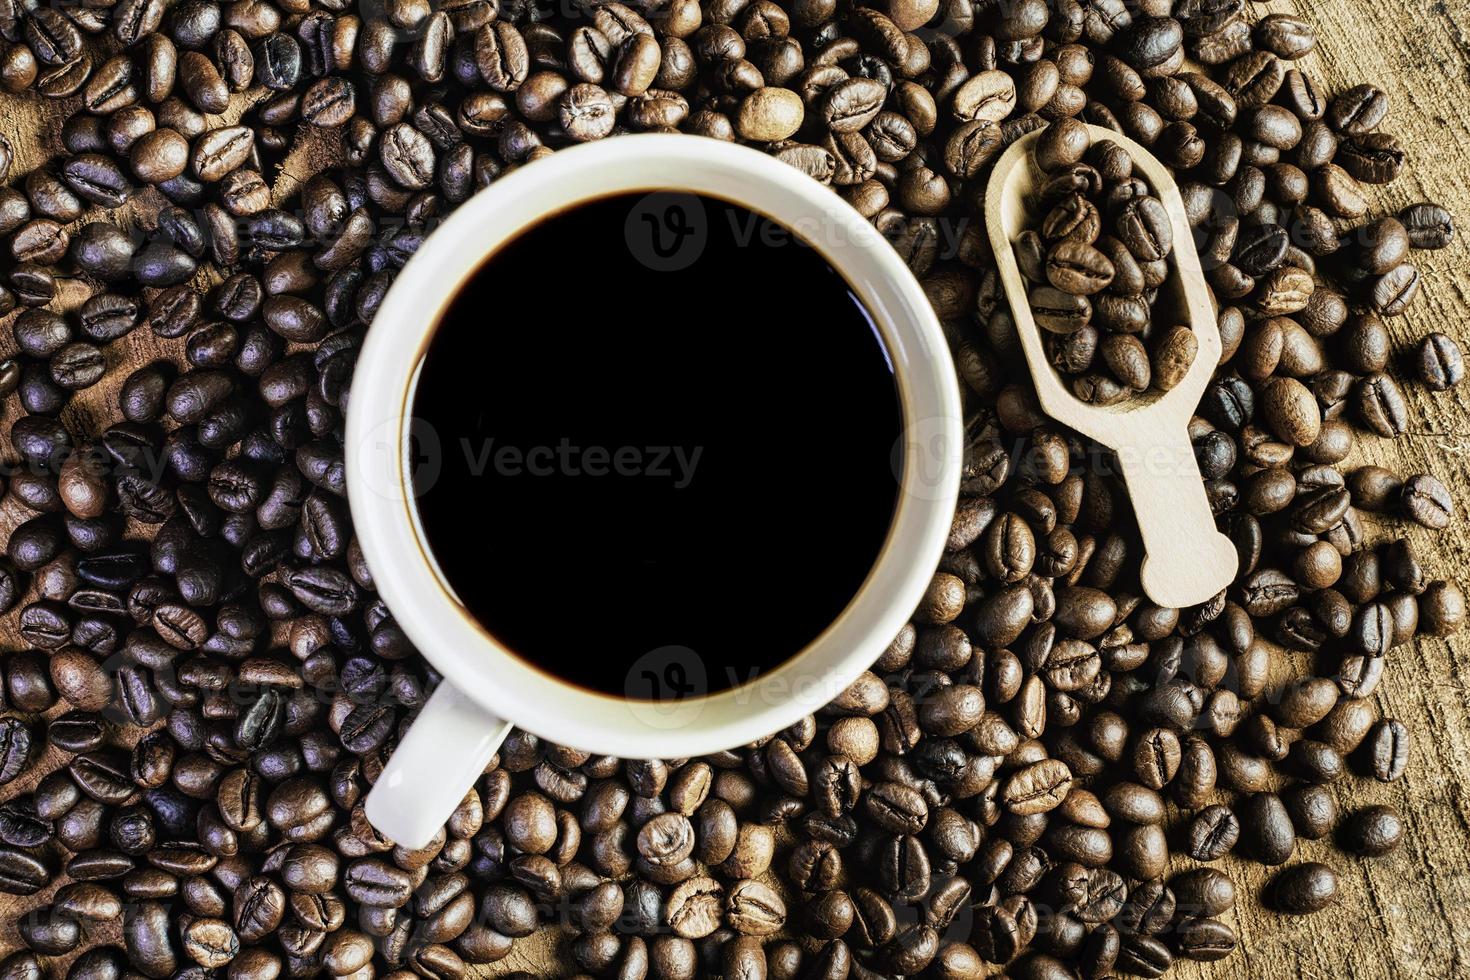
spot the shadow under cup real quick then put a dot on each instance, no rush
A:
(656, 445)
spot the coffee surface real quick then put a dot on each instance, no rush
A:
(658, 445)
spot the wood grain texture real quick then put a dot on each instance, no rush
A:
(1403, 917)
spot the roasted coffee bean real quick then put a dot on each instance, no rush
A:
(850, 105)
(103, 776)
(1388, 749)
(1058, 311)
(1266, 828)
(22, 826)
(1285, 36)
(1373, 831)
(1291, 411)
(89, 902)
(1305, 888)
(1429, 225)
(1078, 268)
(159, 156)
(49, 931)
(1439, 363)
(1038, 788)
(1442, 608)
(1213, 833)
(694, 908)
(21, 873)
(149, 940)
(259, 905)
(1145, 956)
(1206, 939)
(220, 152)
(1427, 502)
(1381, 405)
(754, 908)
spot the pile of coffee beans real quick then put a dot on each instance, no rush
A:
(1043, 770)
(1095, 266)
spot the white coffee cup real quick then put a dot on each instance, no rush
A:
(487, 688)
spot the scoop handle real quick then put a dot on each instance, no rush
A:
(1188, 560)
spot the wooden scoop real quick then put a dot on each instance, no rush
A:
(1188, 561)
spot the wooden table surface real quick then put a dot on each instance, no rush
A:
(1405, 916)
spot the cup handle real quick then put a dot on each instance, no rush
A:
(444, 752)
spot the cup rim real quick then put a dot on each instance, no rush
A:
(378, 412)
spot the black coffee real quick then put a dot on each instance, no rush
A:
(658, 445)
